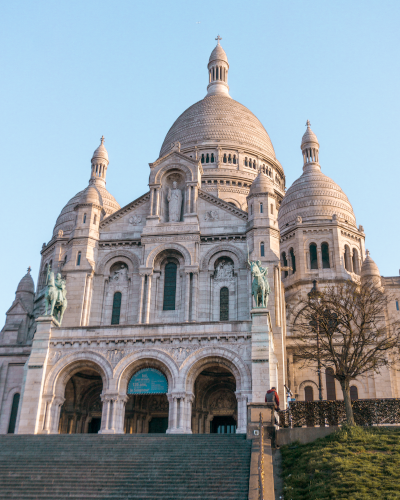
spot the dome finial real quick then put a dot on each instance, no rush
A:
(310, 149)
(218, 39)
(102, 139)
(308, 124)
(367, 253)
(29, 270)
(218, 67)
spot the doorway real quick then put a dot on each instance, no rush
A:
(223, 425)
(158, 425)
(94, 426)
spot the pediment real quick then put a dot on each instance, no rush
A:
(17, 307)
(213, 203)
(132, 216)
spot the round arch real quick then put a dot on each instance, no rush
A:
(195, 363)
(168, 246)
(113, 257)
(175, 166)
(214, 253)
(136, 361)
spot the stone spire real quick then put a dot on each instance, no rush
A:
(99, 165)
(218, 68)
(310, 149)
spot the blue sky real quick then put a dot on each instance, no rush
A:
(72, 71)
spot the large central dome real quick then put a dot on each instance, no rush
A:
(219, 119)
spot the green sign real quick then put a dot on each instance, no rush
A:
(148, 381)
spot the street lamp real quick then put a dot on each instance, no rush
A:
(315, 296)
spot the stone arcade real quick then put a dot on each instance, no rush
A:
(160, 333)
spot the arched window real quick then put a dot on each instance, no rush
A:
(207, 158)
(397, 305)
(95, 219)
(251, 209)
(84, 218)
(313, 256)
(355, 261)
(224, 158)
(170, 286)
(245, 161)
(330, 385)
(254, 164)
(284, 264)
(229, 158)
(65, 258)
(116, 310)
(353, 393)
(308, 393)
(293, 259)
(272, 209)
(212, 157)
(224, 304)
(261, 208)
(14, 413)
(325, 256)
(347, 259)
(262, 249)
(78, 259)
(202, 158)
(234, 159)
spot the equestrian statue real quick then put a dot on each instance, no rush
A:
(260, 288)
(56, 295)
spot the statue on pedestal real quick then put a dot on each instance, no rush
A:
(55, 295)
(260, 288)
(174, 203)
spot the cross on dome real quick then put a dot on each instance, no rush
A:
(29, 269)
(102, 139)
(218, 39)
(367, 253)
(308, 124)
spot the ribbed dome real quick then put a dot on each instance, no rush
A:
(26, 284)
(261, 184)
(309, 136)
(219, 119)
(369, 269)
(101, 152)
(92, 194)
(314, 196)
(218, 53)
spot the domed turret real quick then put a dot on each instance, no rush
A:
(370, 271)
(26, 291)
(262, 184)
(99, 165)
(218, 68)
(314, 196)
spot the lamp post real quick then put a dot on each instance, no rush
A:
(315, 296)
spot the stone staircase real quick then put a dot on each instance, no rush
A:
(142, 466)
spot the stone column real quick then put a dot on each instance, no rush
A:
(157, 201)
(195, 198)
(187, 413)
(260, 353)
(319, 257)
(140, 313)
(148, 299)
(187, 296)
(195, 296)
(188, 201)
(31, 415)
(242, 413)
(105, 415)
(151, 200)
(119, 414)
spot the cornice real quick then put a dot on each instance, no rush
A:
(223, 204)
(124, 210)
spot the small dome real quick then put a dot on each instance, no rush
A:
(369, 269)
(314, 196)
(26, 284)
(101, 152)
(261, 184)
(309, 136)
(218, 54)
(91, 195)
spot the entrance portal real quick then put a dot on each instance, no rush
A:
(223, 425)
(158, 425)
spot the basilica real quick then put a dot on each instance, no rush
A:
(159, 331)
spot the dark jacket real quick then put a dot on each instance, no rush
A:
(272, 397)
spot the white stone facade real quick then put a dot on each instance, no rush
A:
(215, 351)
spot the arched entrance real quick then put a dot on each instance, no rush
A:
(214, 408)
(82, 408)
(146, 410)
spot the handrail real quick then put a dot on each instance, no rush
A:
(261, 460)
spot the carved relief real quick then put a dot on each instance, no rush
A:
(222, 401)
(114, 356)
(135, 219)
(120, 274)
(224, 271)
(211, 215)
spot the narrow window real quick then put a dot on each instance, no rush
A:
(330, 385)
(284, 264)
(251, 209)
(78, 259)
(225, 158)
(313, 256)
(212, 157)
(230, 158)
(325, 256)
(347, 259)
(272, 208)
(355, 261)
(116, 310)
(224, 304)
(261, 208)
(170, 287)
(353, 393)
(84, 218)
(245, 161)
(293, 259)
(207, 158)
(65, 259)
(202, 158)
(95, 219)
(308, 393)
(234, 159)
(254, 164)
(397, 305)
(14, 413)
(262, 249)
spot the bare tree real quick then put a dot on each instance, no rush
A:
(346, 327)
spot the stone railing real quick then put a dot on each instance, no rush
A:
(261, 461)
(328, 413)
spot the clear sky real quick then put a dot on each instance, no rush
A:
(71, 71)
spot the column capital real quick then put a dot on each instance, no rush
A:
(145, 271)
